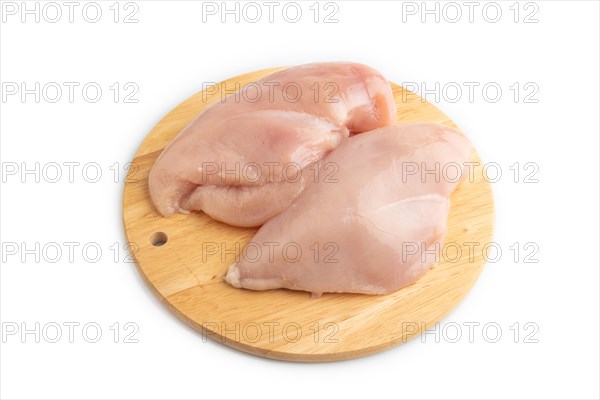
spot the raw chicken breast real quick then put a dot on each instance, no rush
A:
(360, 233)
(234, 160)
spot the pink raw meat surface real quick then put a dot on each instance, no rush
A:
(357, 231)
(233, 160)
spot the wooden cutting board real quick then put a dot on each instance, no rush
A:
(184, 258)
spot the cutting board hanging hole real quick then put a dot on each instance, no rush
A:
(158, 239)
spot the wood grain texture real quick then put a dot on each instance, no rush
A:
(187, 271)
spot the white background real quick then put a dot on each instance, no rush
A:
(168, 54)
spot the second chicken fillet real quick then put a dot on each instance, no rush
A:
(234, 160)
(375, 227)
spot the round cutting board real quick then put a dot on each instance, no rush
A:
(184, 259)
